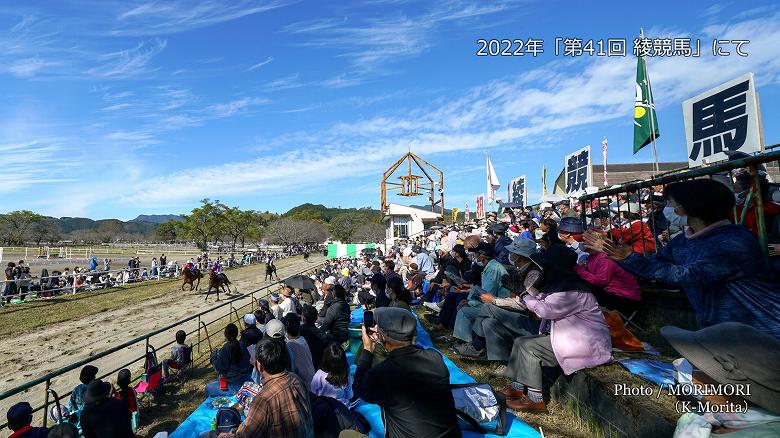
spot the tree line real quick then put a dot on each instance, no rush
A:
(211, 223)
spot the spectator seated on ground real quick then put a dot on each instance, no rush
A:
(76, 403)
(719, 265)
(104, 416)
(126, 394)
(731, 355)
(232, 365)
(491, 282)
(572, 333)
(410, 376)
(181, 355)
(263, 314)
(63, 430)
(335, 322)
(281, 408)
(614, 287)
(570, 233)
(332, 379)
(315, 338)
(300, 355)
(632, 230)
(400, 296)
(501, 320)
(20, 420)
(251, 334)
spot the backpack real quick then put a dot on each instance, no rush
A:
(228, 419)
(480, 408)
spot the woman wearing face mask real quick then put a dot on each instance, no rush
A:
(719, 265)
(505, 319)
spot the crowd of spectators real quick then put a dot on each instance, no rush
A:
(524, 289)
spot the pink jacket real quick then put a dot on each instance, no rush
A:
(578, 332)
(603, 272)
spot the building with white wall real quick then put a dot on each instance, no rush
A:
(403, 222)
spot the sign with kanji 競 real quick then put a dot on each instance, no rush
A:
(516, 191)
(481, 207)
(725, 118)
(578, 171)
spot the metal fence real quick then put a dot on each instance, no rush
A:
(637, 205)
(201, 331)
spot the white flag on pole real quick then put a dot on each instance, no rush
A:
(492, 181)
(604, 156)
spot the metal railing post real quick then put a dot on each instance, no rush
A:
(199, 335)
(46, 404)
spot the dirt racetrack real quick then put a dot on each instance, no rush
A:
(28, 355)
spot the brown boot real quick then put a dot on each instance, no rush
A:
(525, 404)
(511, 393)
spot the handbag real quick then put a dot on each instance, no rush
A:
(480, 408)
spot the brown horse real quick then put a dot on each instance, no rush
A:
(270, 271)
(192, 278)
(217, 282)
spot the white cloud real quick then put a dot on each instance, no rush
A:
(260, 64)
(129, 62)
(143, 18)
(228, 109)
(512, 113)
(26, 67)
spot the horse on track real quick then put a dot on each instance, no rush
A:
(270, 271)
(192, 278)
(217, 282)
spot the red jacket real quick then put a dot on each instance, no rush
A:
(638, 235)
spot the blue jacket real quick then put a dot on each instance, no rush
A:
(723, 274)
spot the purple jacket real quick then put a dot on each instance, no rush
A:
(603, 272)
(578, 332)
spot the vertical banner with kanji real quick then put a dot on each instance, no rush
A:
(723, 119)
(578, 171)
(481, 207)
(454, 215)
(516, 191)
(467, 214)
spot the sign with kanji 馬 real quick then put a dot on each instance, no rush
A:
(578, 171)
(481, 207)
(516, 191)
(725, 118)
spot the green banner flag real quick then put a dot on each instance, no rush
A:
(645, 120)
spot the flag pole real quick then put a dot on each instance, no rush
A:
(651, 102)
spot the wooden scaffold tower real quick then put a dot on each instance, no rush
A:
(414, 185)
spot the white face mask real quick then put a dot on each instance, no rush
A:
(674, 218)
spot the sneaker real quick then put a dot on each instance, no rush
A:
(433, 306)
(500, 371)
(468, 350)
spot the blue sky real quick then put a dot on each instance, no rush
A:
(118, 108)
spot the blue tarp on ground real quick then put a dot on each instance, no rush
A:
(200, 420)
(660, 373)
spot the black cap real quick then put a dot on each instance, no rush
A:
(599, 214)
(484, 249)
(19, 415)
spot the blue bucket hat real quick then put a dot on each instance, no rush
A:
(571, 225)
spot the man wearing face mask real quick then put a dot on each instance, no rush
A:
(657, 221)
(492, 275)
(677, 224)
(411, 386)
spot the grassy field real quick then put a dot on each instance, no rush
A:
(27, 316)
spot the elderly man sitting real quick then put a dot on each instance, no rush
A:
(491, 282)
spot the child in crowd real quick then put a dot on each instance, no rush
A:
(180, 355)
(332, 379)
(76, 403)
(126, 394)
